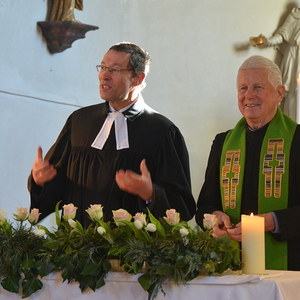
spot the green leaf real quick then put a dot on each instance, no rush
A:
(106, 266)
(91, 269)
(84, 283)
(57, 215)
(75, 232)
(100, 282)
(180, 261)
(139, 233)
(179, 225)
(16, 260)
(145, 281)
(155, 287)
(30, 285)
(63, 261)
(44, 267)
(192, 275)
(210, 267)
(46, 230)
(27, 264)
(164, 269)
(11, 283)
(68, 272)
(159, 228)
(79, 226)
(7, 228)
(104, 225)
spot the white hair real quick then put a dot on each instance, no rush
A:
(261, 62)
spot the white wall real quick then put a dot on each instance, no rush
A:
(196, 48)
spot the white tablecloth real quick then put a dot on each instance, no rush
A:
(276, 285)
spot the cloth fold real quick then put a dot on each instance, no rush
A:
(232, 279)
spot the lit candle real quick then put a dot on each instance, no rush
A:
(298, 100)
(253, 244)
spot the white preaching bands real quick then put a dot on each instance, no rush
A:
(121, 130)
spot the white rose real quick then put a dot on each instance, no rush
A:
(95, 212)
(184, 231)
(210, 221)
(34, 216)
(121, 215)
(22, 214)
(101, 230)
(141, 217)
(172, 217)
(69, 211)
(39, 232)
(138, 224)
(3, 215)
(72, 223)
(151, 227)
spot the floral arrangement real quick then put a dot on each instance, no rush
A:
(164, 248)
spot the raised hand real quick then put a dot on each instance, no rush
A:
(42, 170)
(131, 182)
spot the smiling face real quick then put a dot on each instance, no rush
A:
(257, 98)
(118, 88)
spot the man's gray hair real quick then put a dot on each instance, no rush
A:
(139, 60)
(261, 62)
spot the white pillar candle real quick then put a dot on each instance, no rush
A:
(298, 100)
(253, 244)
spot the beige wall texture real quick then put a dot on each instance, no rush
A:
(196, 48)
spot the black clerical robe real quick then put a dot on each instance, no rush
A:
(210, 195)
(86, 175)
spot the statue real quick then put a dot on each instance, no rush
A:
(288, 36)
(61, 28)
(63, 10)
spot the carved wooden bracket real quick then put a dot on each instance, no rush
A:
(61, 34)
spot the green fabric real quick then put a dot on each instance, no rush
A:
(280, 126)
(235, 140)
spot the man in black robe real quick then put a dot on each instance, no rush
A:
(121, 153)
(260, 91)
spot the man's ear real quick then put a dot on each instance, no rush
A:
(280, 91)
(139, 78)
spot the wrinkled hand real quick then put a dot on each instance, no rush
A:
(269, 221)
(42, 171)
(133, 183)
(224, 226)
(236, 232)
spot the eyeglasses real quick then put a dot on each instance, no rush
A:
(101, 68)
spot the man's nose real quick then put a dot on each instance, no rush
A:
(250, 92)
(104, 74)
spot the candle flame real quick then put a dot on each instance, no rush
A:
(251, 215)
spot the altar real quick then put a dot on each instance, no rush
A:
(275, 285)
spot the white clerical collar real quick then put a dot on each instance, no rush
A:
(123, 109)
(121, 130)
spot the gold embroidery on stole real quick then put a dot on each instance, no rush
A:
(274, 159)
(230, 177)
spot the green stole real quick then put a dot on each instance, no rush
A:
(273, 177)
